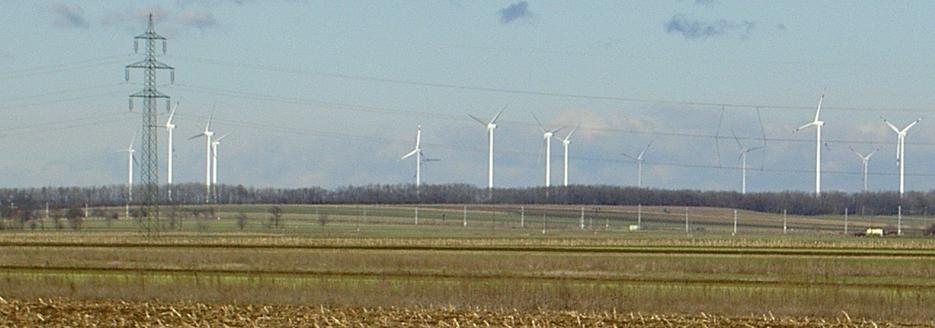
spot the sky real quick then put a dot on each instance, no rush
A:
(329, 93)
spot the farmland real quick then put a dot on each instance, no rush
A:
(383, 264)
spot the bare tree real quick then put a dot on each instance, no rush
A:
(242, 220)
(275, 217)
(323, 220)
(75, 217)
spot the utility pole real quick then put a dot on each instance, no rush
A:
(522, 217)
(899, 220)
(149, 164)
(845, 220)
(464, 215)
(582, 218)
(784, 226)
(686, 219)
(545, 223)
(735, 224)
(639, 216)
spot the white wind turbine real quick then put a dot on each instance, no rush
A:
(214, 162)
(171, 149)
(818, 124)
(901, 151)
(565, 142)
(207, 133)
(491, 125)
(547, 144)
(743, 162)
(865, 160)
(639, 164)
(417, 151)
(130, 160)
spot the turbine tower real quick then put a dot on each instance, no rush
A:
(207, 133)
(639, 164)
(417, 151)
(214, 165)
(901, 151)
(818, 124)
(149, 165)
(743, 162)
(171, 149)
(547, 145)
(865, 160)
(490, 126)
(565, 142)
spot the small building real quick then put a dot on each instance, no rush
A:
(871, 232)
(634, 227)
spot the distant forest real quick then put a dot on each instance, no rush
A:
(799, 203)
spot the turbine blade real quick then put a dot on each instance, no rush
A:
(804, 126)
(495, 118)
(739, 145)
(892, 127)
(630, 157)
(911, 125)
(572, 132)
(478, 120)
(196, 136)
(218, 140)
(640, 156)
(553, 131)
(172, 113)
(861, 156)
(754, 149)
(541, 127)
(413, 152)
(818, 111)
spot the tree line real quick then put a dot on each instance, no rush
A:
(800, 203)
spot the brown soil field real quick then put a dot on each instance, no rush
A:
(71, 313)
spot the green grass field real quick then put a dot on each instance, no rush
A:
(383, 258)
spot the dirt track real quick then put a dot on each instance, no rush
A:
(60, 312)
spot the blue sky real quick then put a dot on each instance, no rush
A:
(329, 93)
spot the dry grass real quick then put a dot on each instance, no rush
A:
(63, 312)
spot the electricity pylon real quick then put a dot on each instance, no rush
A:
(149, 165)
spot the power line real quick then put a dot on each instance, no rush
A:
(58, 68)
(62, 125)
(20, 106)
(46, 94)
(460, 118)
(366, 78)
(382, 140)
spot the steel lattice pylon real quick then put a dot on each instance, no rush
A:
(149, 164)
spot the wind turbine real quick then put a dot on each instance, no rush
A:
(417, 151)
(214, 163)
(901, 151)
(818, 124)
(639, 164)
(865, 159)
(207, 133)
(565, 141)
(743, 162)
(547, 144)
(490, 125)
(130, 160)
(171, 149)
